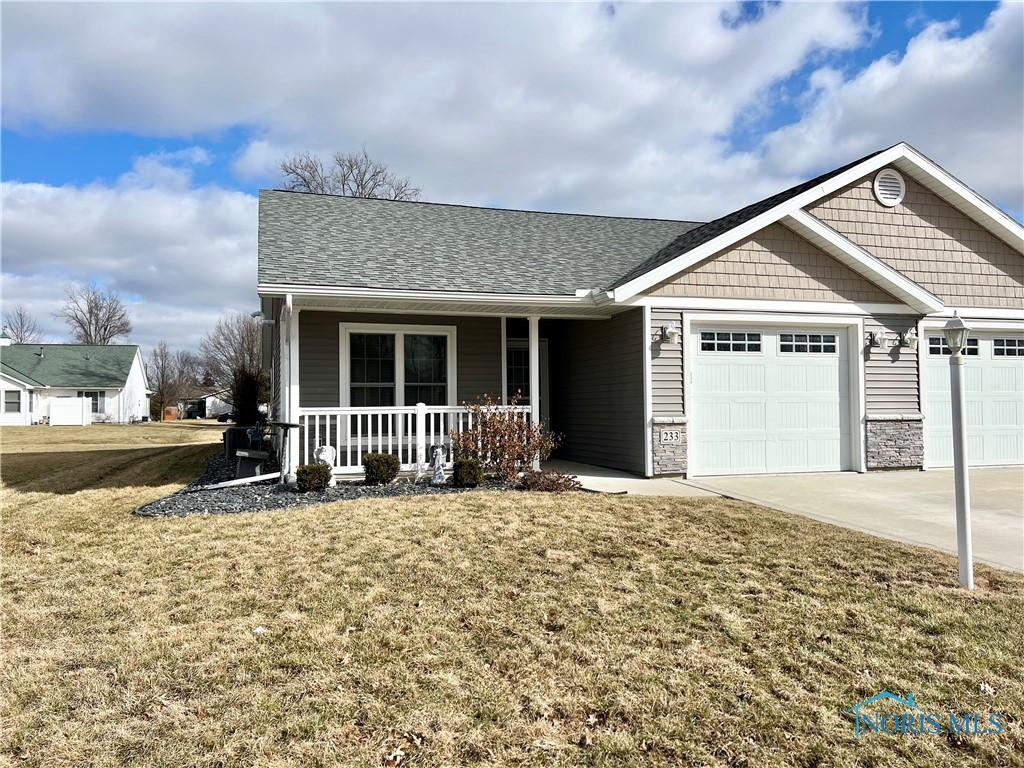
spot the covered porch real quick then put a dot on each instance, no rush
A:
(396, 380)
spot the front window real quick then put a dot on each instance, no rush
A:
(397, 367)
(97, 398)
(12, 401)
(517, 361)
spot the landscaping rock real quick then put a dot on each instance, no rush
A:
(262, 497)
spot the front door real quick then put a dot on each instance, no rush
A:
(517, 370)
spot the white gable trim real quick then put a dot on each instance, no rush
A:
(19, 382)
(902, 156)
(856, 258)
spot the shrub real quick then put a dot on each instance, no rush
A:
(467, 473)
(549, 482)
(312, 477)
(380, 468)
(503, 441)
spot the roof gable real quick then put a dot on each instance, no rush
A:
(70, 365)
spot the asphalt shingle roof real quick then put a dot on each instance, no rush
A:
(81, 366)
(344, 241)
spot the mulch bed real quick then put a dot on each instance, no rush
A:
(263, 497)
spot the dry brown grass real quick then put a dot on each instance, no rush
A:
(486, 629)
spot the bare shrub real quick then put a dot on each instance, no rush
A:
(502, 440)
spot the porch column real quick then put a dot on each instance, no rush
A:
(535, 376)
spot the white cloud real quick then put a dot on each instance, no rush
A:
(958, 99)
(179, 256)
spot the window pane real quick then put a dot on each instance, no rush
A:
(518, 372)
(426, 369)
(12, 401)
(372, 369)
(754, 347)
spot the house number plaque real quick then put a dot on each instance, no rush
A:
(671, 436)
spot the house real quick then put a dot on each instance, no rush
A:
(203, 403)
(112, 377)
(800, 333)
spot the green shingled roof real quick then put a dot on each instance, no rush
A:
(82, 366)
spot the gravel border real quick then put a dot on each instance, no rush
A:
(263, 497)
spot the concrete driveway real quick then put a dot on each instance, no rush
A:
(915, 507)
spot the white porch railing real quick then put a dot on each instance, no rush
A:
(406, 432)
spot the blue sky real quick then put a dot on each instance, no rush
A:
(126, 163)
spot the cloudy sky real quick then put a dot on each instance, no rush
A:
(134, 137)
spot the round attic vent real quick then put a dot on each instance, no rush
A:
(889, 187)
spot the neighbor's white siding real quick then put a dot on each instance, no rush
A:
(23, 416)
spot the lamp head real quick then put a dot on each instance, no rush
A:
(956, 334)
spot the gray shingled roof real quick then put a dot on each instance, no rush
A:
(344, 241)
(82, 366)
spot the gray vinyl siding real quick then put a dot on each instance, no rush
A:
(478, 353)
(666, 367)
(891, 382)
(597, 385)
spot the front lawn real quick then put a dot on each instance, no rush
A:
(486, 628)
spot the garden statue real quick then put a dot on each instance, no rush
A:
(326, 454)
(437, 462)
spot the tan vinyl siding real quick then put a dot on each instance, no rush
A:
(891, 383)
(478, 355)
(930, 242)
(597, 385)
(773, 263)
(666, 366)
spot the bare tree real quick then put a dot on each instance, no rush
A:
(355, 174)
(21, 326)
(93, 315)
(164, 379)
(232, 356)
(190, 368)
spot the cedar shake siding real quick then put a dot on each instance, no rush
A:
(930, 242)
(774, 263)
(597, 389)
(478, 353)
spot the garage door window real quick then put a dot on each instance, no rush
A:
(808, 343)
(729, 341)
(1008, 347)
(937, 346)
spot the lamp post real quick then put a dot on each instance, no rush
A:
(956, 339)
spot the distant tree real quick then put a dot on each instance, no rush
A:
(94, 316)
(21, 326)
(190, 368)
(231, 353)
(164, 380)
(354, 174)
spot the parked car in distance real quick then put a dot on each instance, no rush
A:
(228, 416)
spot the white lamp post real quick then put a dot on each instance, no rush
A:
(956, 339)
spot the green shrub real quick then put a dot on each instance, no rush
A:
(312, 477)
(467, 473)
(380, 468)
(549, 482)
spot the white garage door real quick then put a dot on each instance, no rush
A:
(769, 400)
(994, 383)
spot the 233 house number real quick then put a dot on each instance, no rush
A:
(671, 436)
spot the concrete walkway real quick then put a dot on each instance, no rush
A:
(613, 481)
(910, 506)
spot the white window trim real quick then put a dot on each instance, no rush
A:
(854, 346)
(399, 330)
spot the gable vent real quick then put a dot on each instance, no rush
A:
(889, 187)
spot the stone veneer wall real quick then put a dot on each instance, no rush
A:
(669, 458)
(895, 441)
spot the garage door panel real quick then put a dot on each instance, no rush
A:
(786, 412)
(994, 404)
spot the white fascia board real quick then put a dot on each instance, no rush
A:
(765, 305)
(24, 384)
(902, 156)
(759, 222)
(856, 258)
(280, 289)
(987, 313)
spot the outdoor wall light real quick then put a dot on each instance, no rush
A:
(264, 320)
(908, 339)
(874, 338)
(672, 333)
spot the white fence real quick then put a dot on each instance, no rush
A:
(406, 432)
(70, 411)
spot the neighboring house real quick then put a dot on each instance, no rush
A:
(112, 377)
(203, 403)
(801, 333)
